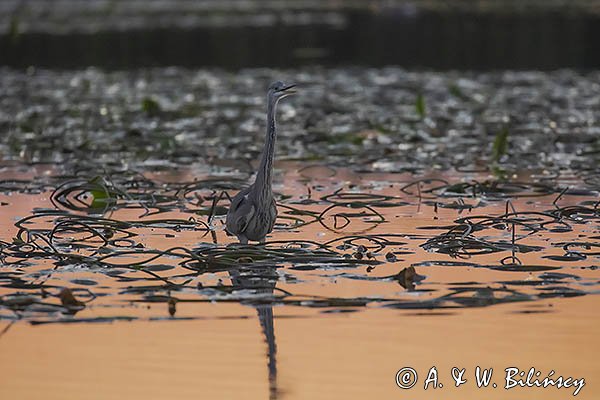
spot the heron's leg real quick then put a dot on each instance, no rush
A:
(243, 239)
(263, 240)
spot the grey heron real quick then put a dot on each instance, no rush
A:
(252, 213)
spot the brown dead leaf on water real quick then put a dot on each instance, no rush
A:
(407, 278)
(172, 306)
(68, 300)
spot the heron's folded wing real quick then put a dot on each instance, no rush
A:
(242, 215)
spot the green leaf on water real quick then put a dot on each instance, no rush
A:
(500, 146)
(420, 105)
(101, 198)
(99, 192)
(150, 106)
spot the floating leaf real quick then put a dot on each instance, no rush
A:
(100, 193)
(408, 277)
(172, 306)
(150, 106)
(68, 300)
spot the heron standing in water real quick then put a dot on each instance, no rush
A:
(253, 211)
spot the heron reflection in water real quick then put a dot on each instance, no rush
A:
(261, 281)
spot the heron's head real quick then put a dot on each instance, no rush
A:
(278, 90)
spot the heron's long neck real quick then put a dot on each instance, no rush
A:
(264, 176)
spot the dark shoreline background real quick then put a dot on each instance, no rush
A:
(441, 35)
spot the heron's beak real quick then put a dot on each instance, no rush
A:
(289, 89)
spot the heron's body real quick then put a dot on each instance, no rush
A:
(253, 211)
(250, 218)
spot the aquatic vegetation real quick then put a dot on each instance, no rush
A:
(420, 106)
(150, 106)
(500, 145)
(96, 121)
(131, 179)
(157, 257)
